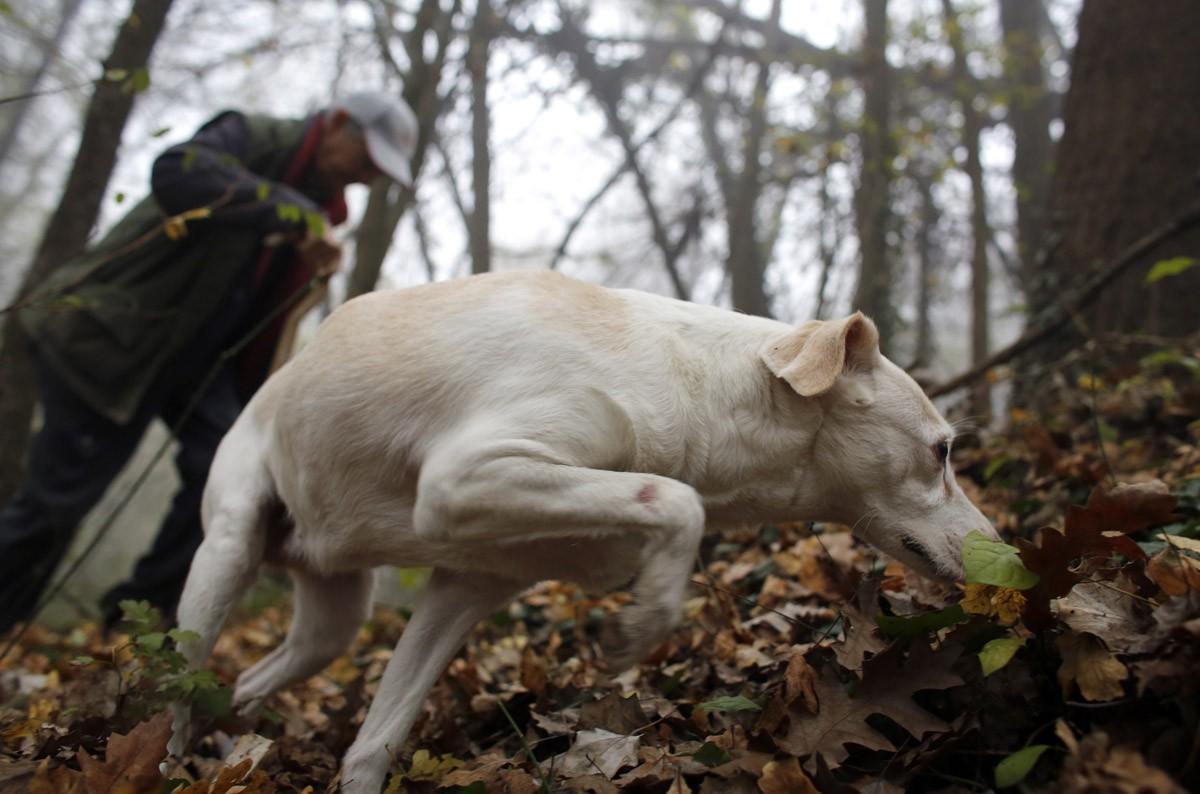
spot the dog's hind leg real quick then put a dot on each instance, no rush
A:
(236, 499)
(451, 605)
(328, 613)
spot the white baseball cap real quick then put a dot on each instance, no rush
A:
(390, 129)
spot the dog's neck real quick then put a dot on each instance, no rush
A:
(748, 437)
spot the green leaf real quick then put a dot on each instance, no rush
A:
(737, 703)
(140, 615)
(1169, 267)
(997, 653)
(140, 80)
(262, 191)
(711, 755)
(1012, 770)
(993, 467)
(119, 198)
(992, 562)
(315, 222)
(150, 642)
(919, 625)
(116, 75)
(183, 635)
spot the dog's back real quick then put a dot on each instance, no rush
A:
(349, 422)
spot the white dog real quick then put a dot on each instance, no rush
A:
(511, 428)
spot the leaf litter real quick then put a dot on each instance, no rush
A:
(804, 664)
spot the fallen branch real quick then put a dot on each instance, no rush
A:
(1091, 289)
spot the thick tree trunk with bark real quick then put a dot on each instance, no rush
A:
(873, 295)
(1127, 162)
(67, 231)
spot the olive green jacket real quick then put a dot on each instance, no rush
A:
(107, 321)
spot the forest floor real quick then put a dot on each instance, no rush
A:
(805, 663)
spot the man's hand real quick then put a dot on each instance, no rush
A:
(323, 254)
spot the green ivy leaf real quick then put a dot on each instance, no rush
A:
(737, 703)
(1169, 267)
(999, 652)
(711, 755)
(919, 625)
(1013, 769)
(992, 562)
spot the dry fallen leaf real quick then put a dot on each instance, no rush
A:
(1174, 572)
(57, 780)
(1086, 662)
(1097, 766)
(785, 777)
(887, 688)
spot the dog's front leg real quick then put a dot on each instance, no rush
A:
(521, 489)
(451, 605)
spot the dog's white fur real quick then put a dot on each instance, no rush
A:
(506, 429)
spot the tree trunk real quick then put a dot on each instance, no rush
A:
(873, 295)
(67, 231)
(923, 350)
(980, 398)
(479, 228)
(746, 266)
(1127, 163)
(388, 203)
(50, 51)
(1030, 111)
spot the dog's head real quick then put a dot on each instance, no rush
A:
(882, 451)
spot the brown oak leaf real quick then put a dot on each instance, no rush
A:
(887, 688)
(130, 764)
(1099, 528)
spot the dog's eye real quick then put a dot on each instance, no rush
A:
(941, 450)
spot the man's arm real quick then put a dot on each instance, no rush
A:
(209, 170)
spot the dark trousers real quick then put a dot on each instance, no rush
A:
(73, 460)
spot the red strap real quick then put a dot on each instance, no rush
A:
(253, 361)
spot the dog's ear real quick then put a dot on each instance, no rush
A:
(811, 357)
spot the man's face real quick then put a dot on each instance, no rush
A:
(341, 157)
